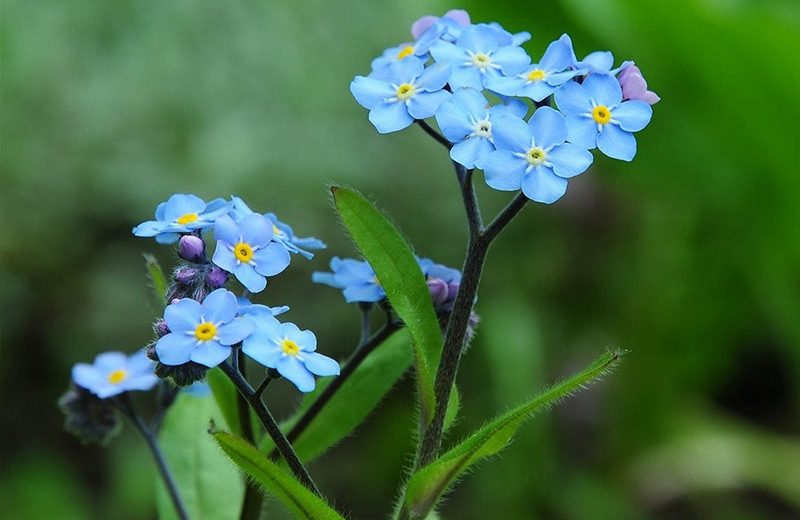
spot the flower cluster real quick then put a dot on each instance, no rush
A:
(451, 67)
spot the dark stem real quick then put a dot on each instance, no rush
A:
(470, 199)
(271, 426)
(433, 133)
(251, 504)
(126, 407)
(263, 386)
(505, 216)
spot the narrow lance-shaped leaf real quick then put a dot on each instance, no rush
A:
(282, 485)
(157, 279)
(391, 257)
(225, 395)
(431, 482)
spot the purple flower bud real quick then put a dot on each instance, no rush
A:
(458, 16)
(186, 275)
(438, 289)
(452, 290)
(192, 248)
(216, 277)
(161, 328)
(634, 85)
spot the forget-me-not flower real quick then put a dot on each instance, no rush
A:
(181, 213)
(534, 157)
(540, 79)
(452, 23)
(597, 62)
(248, 308)
(466, 120)
(443, 282)
(597, 116)
(480, 54)
(114, 372)
(405, 91)
(290, 351)
(356, 278)
(634, 85)
(248, 250)
(202, 333)
(418, 48)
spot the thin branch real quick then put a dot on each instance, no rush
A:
(470, 199)
(505, 216)
(433, 133)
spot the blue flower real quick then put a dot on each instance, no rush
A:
(355, 277)
(540, 79)
(480, 54)
(282, 231)
(597, 116)
(246, 307)
(534, 157)
(466, 119)
(597, 62)
(516, 38)
(113, 373)
(418, 48)
(181, 213)
(405, 91)
(289, 350)
(247, 250)
(452, 23)
(202, 333)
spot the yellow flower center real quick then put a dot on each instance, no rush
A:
(289, 347)
(408, 50)
(601, 114)
(536, 75)
(188, 218)
(117, 376)
(206, 331)
(275, 230)
(405, 91)
(481, 60)
(535, 156)
(243, 252)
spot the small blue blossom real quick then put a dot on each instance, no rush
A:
(466, 120)
(597, 116)
(480, 54)
(282, 231)
(181, 213)
(113, 373)
(541, 79)
(290, 351)
(202, 333)
(248, 250)
(451, 24)
(405, 91)
(597, 62)
(355, 277)
(419, 48)
(534, 157)
(246, 307)
(516, 38)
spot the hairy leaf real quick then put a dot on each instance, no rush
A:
(157, 279)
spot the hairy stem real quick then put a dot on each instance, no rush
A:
(251, 504)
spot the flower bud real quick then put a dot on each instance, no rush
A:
(186, 275)
(182, 375)
(216, 277)
(192, 248)
(438, 289)
(91, 419)
(161, 329)
(452, 290)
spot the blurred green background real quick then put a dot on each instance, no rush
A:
(689, 256)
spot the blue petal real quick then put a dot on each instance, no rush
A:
(225, 229)
(617, 143)
(236, 331)
(309, 243)
(149, 229)
(223, 257)
(424, 104)
(183, 315)
(513, 60)
(511, 133)
(571, 98)
(503, 171)
(536, 90)
(263, 349)
(548, 127)
(305, 339)
(210, 354)
(557, 78)
(453, 120)
(569, 160)
(367, 293)
(582, 131)
(514, 107)
(521, 37)
(370, 92)
(466, 76)
(406, 70)
(181, 204)
(321, 365)
(434, 78)
(598, 61)
(326, 278)
(175, 348)
(446, 52)
(220, 306)
(632, 115)
(479, 38)
(390, 117)
(256, 230)
(142, 382)
(604, 89)
(471, 152)
(505, 85)
(88, 377)
(139, 363)
(542, 185)
(167, 238)
(272, 259)
(110, 361)
(556, 57)
(248, 277)
(293, 370)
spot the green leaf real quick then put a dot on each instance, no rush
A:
(354, 401)
(399, 273)
(158, 281)
(208, 483)
(225, 395)
(427, 485)
(291, 493)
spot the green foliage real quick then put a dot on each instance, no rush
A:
(427, 485)
(392, 258)
(296, 497)
(208, 483)
(225, 395)
(158, 282)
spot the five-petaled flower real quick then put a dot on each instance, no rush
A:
(597, 116)
(248, 250)
(202, 333)
(114, 372)
(356, 278)
(289, 350)
(181, 213)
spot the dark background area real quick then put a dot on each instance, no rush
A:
(689, 256)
